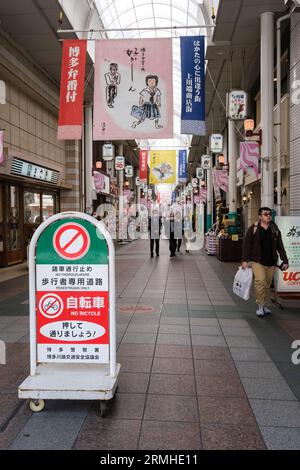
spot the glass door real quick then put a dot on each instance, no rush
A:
(13, 225)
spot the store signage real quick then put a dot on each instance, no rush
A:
(72, 291)
(29, 170)
(206, 162)
(137, 181)
(108, 152)
(216, 143)
(119, 163)
(200, 173)
(289, 281)
(143, 168)
(237, 101)
(195, 182)
(129, 171)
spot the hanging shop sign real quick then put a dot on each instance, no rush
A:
(200, 173)
(108, 152)
(137, 181)
(182, 166)
(72, 89)
(289, 281)
(133, 94)
(192, 50)
(206, 162)
(162, 166)
(237, 105)
(195, 182)
(129, 171)
(216, 143)
(29, 170)
(119, 163)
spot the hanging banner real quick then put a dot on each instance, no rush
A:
(1, 148)
(221, 179)
(133, 97)
(163, 166)
(236, 102)
(216, 143)
(143, 170)
(72, 89)
(182, 166)
(249, 155)
(192, 85)
(216, 188)
(203, 195)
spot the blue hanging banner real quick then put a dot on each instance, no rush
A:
(192, 85)
(182, 166)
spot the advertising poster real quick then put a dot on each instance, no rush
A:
(289, 281)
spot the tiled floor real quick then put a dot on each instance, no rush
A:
(199, 370)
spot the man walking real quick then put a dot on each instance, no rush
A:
(154, 228)
(262, 242)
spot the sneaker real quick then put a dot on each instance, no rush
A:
(267, 311)
(260, 311)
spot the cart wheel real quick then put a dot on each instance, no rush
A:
(36, 405)
(103, 408)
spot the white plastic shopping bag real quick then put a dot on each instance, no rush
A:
(242, 282)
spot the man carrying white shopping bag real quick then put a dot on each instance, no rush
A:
(261, 246)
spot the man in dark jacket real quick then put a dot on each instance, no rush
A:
(262, 243)
(154, 227)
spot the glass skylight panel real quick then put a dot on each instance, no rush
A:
(144, 11)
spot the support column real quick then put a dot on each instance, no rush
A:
(232, 154)
(267, 105)
(88, 120)
(71, 200)
(293, 195)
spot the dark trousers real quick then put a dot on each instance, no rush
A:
(179, 241)
(172, 244)
(156, 240)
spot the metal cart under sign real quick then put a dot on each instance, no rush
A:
(72, 312)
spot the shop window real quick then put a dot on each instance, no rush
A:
(32, 208)
(48, 205)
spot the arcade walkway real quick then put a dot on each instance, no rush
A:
(199, 370)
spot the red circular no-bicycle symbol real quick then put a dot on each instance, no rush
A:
(71, 241)
(51, 305)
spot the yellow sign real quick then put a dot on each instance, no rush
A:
(162, 166)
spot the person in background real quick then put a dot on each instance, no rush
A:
(154, 227)
(261, 246)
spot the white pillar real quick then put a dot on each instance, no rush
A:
(88, 117)
(232, 154)
(267, 105)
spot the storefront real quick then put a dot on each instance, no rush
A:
(26, 199)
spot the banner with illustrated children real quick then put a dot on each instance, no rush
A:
(133, 97)
(162, 166)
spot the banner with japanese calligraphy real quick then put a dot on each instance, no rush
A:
(143, 168)
(182, 166)
(1, 148)
(162, 166)
(72, 89)
(249, 155)
(133, 92)
(192, 85)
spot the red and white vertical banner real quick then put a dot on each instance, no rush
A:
(1, 148)
(72, 89)
(143, 166)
